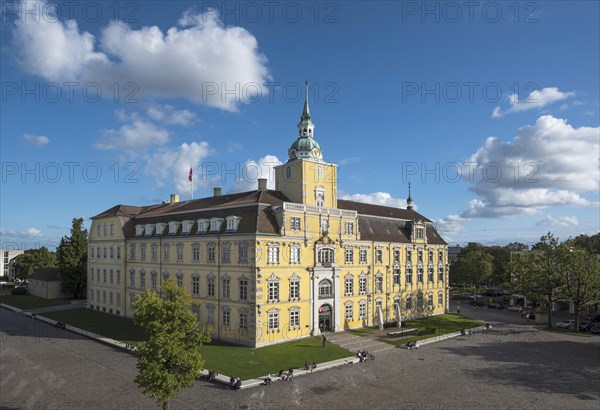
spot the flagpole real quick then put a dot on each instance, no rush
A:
(192, 182)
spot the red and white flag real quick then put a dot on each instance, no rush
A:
(191, 175)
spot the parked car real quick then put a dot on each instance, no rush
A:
(566, 324)
(476, 303)
(595, 328)
(515, 308)
(495, 306)
(585, 326)
(531, 314)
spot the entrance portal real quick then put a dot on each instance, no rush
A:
(325, 318)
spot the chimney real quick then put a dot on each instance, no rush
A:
(262, 184)
(217, 191)
(174, 198)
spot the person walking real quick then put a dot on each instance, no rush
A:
(324, 340)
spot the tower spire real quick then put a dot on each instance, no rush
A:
(409, 201)
(306, 111)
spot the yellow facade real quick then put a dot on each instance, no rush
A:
(272, 266)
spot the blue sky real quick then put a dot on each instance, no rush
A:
(490, 110)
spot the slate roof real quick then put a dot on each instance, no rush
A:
(47, 275)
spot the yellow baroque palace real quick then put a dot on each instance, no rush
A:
(269, 266)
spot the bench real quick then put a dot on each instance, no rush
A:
(404, 332)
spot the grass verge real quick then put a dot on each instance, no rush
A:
(31, 302)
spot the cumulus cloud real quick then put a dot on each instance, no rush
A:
(537, 99)
(197, 60)
(563, 221)
(252, 170)
(173, 165)
(36, 141)
(167, 114)
(377, 198)
(547, 164)
(450, 224)
(136, 135)
(28, 233)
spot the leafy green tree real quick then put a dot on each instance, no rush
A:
(72, 260)
(590, 243)
(170, 360)
(539, 274)
(582, 285)
(33, 260)
(473, 267)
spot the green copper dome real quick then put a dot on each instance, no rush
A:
(305, 146)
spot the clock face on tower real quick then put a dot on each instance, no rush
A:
(292, 153)
(316, 152)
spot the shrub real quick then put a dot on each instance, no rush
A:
(18, 291)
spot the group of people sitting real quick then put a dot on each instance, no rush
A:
(412, 345)
(362, 356)
(310, 366)
(235, 383)
(60, 325)
(211, 375)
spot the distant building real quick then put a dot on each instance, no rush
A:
(46, 283)
(7, 261)
(453, 252)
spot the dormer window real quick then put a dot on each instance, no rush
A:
(202, 225)
(215, 224)
(149, 228)
(139, 230)
(232, 223)
(173, 227)
(186, 226)
(160, 228)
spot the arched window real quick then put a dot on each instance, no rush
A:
(288, 173)
(325, 289)
(326, 256)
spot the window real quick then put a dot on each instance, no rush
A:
(211, 253)
(226, 252)
(196, 311)
(195, 284)
(243, 289)
(195, 252)
(419, 233)
(362, 309)
(179, 250)
(349, 228)
(166, 276)
(396, 275)
(202, 225)
(396, 255)
(440, 298)
(154, 252)
(226, 316)
(112, 229)
(430, 257)
(348, 311)
(215, 224)
(324, 225)
(288, 173)
(362, 285)
(186, 227)
(226, 288)
(378, 256)
(148, 229)
(430, 274)
(118, 252)
(320, 198)
(409, 302)
(295, 223)
(243, 252)
(103, 275)
(319, 172)
(408, 256)
(409, 275)
(104, 296)
(93, 254)
(232, 223)
(326, 256)
(441, 273)
(98, 275)
(420, 301)
(142, 280)
(118, 295)
(179, 277)
(173, 228)
(349, 286)
(243, 321)
(379, 283)
(160, 228)
(420, 274)
(295, 317)
(210, 285)
(91, 295)
(210, 314)
(349, 256)
(430, 300)
(143, 252)
(378, 306)
(131, 299)
(362, 256)
(273, 322)
(166, 252)
(132, 278)
(154, 279)
(104, 253)
(441, 257)
(111, 276)
(105, 230)
(420, 255)
(294, 253)
(295, 289)
(325, 289)
(273, 291)
(98, 231)
(97, 296)
(273, 253)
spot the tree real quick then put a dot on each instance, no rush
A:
(72, 260)
(473, 267)
(539, 274)
(170, 360)
(590, 243)
(582, 285)
(33, 260)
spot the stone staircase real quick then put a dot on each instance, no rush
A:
(355, 343)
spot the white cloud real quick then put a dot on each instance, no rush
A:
(28, 233)
(167, 114)
(345, 161)
(537, 99)
(563, 221)
(252, 170)
(376, 198)
(173, 165)
(36, 141)
(233, 147)
(547, 164)
(136, 135)
(450, 224)
(198, 60)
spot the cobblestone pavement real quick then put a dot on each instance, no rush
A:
(510, 367)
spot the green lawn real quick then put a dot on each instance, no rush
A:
(232, 360)
(104, 324)
(31, 302)
(434, 326)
